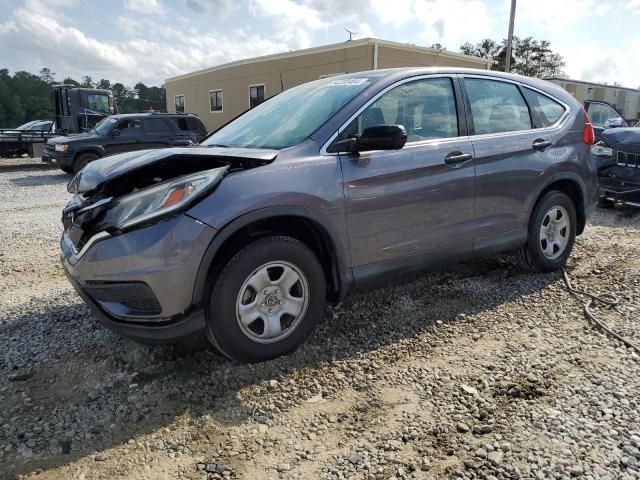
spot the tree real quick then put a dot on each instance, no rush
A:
(47, 75)
(530, 57)
(25, 96)
(104, 83)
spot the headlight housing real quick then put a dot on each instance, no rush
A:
(601, 149)
(161, 199)
(61, 147)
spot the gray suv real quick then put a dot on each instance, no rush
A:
(339, 183)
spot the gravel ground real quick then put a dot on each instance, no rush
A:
(483, 371)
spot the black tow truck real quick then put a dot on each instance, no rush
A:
(76, 110)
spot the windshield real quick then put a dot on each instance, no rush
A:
(290, 117)
(25, 126)
(105, 125)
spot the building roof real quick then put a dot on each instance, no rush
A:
(583, 82)
(333, 47)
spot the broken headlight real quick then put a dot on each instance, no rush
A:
(161, 199)
(601, 149)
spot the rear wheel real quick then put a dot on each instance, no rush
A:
(267, 300)
(552, 233)
(67, 169)
(82, 160)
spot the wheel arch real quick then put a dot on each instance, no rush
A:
(574, 188)
(97, 149)
(307, 225)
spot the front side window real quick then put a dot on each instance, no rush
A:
(129, 128)
(215, 100)
(256, 95)
(426, 108)
(547, 111)
(105, 125)
(496, 106)
(290, 117)
(179, 101)
(600, 113)
(98, 103)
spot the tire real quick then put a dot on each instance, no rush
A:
(82, 160)
(548, 251)
(243, 334)
(67, 170)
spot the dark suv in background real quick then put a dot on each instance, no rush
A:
(336, 184)
(124, 133)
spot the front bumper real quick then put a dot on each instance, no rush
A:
(619, 191)
(64, 159)
(140, 283)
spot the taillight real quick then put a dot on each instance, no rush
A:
(588, 135)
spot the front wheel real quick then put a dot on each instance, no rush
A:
(83, 160)
(552, 233)
(267, 300)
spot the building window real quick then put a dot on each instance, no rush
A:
(179, 101)
(215, 100)
(256, 95)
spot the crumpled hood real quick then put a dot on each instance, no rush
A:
(110, 168)
(623, 139)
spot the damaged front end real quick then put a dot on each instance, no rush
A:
(116, 194)
(618, 160)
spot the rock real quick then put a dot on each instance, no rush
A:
(495, 457)
(469, 390)
(462, 427)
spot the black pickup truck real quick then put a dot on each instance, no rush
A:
(124, 133)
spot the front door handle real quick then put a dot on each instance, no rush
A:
(457, 157)
(540, 144)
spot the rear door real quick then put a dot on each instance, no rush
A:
(514, 153)
(157, 133)
(418, 199)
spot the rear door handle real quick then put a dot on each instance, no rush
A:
(457, 157)
(540, 144)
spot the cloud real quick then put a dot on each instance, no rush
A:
(596, 63)
(144, 6)
(292, 22)
(553, 15)
(133, 56)
(219, 7)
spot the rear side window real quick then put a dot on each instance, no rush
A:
(156, 125)
(547, 111)
(496, 106)
(186, 124)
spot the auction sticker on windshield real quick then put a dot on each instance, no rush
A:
(347, 81)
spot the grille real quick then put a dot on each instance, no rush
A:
(626, 159)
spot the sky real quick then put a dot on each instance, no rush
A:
(151, 40)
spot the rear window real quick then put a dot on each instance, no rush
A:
(547, 111)
(186, 124)
(496, 106)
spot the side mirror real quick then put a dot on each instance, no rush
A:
(380, 137)
(115, 132)
(615, 122)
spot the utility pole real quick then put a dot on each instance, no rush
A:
(507, 61)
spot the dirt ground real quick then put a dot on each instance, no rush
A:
(482, 370)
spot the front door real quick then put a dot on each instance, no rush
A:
(418, 199)
(128, 139)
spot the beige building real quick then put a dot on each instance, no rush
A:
(625, 100)
(219, 94)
